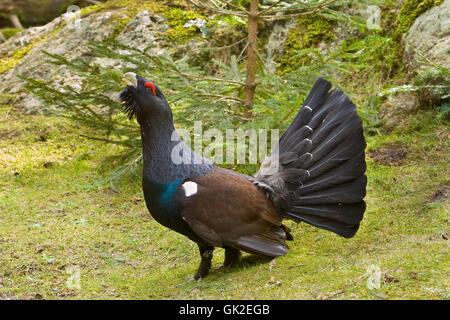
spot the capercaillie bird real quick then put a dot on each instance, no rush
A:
(319, 177)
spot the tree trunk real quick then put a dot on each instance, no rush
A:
(250, 83)
(15, 21)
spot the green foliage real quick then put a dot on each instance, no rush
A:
(433, 84)
(9, 32)
(372, 55)
(444, 111)
(410, 10)
(231, 20)
(192, 94)
(92, 9)
(434, 77)
(317, 28)
(226, 36)
(431, 77)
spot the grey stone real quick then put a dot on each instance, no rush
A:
(429, 37)
(70, 37)
(396, 110)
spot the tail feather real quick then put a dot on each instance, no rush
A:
(351, 147)
(347, 171)
(302, 132)
(349, 192)
(345, 230)
(318, 93)
(334, 139)
(321, 156)
(332, 100)
(315, 99)
(329, 124)
(303, 147)
(347, 213)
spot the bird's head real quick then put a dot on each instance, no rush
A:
(143, 98)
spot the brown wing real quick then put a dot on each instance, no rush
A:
(227, 209)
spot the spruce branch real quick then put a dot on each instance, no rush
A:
(222, 97)
(235, 6)
(218, 10)
(260, 13)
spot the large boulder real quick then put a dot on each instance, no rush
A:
(427, 39)
(429, 36)
(69, 36)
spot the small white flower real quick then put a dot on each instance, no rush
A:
(196, 22)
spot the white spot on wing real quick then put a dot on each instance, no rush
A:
(190, 188)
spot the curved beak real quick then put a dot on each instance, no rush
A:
(130, 79)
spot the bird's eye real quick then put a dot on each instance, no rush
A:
(150, 88)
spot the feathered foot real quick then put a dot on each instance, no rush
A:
(206, 253)
(231, 257)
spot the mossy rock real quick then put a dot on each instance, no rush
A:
(176, 19)
(17, 55)
(121, 24)
(9, 32)
(132, 6)
(308, 32)
(410, 11)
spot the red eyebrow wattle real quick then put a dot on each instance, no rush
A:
(151, 85)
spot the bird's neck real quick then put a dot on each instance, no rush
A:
(162, 148)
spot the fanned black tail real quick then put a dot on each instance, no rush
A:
(320, 164)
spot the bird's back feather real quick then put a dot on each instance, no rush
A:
(228, 210)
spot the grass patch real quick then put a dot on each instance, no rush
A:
(54, 219)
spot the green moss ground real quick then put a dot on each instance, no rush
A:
(52, 218)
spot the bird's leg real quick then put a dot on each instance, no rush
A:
(231, 257)
(206, 254)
